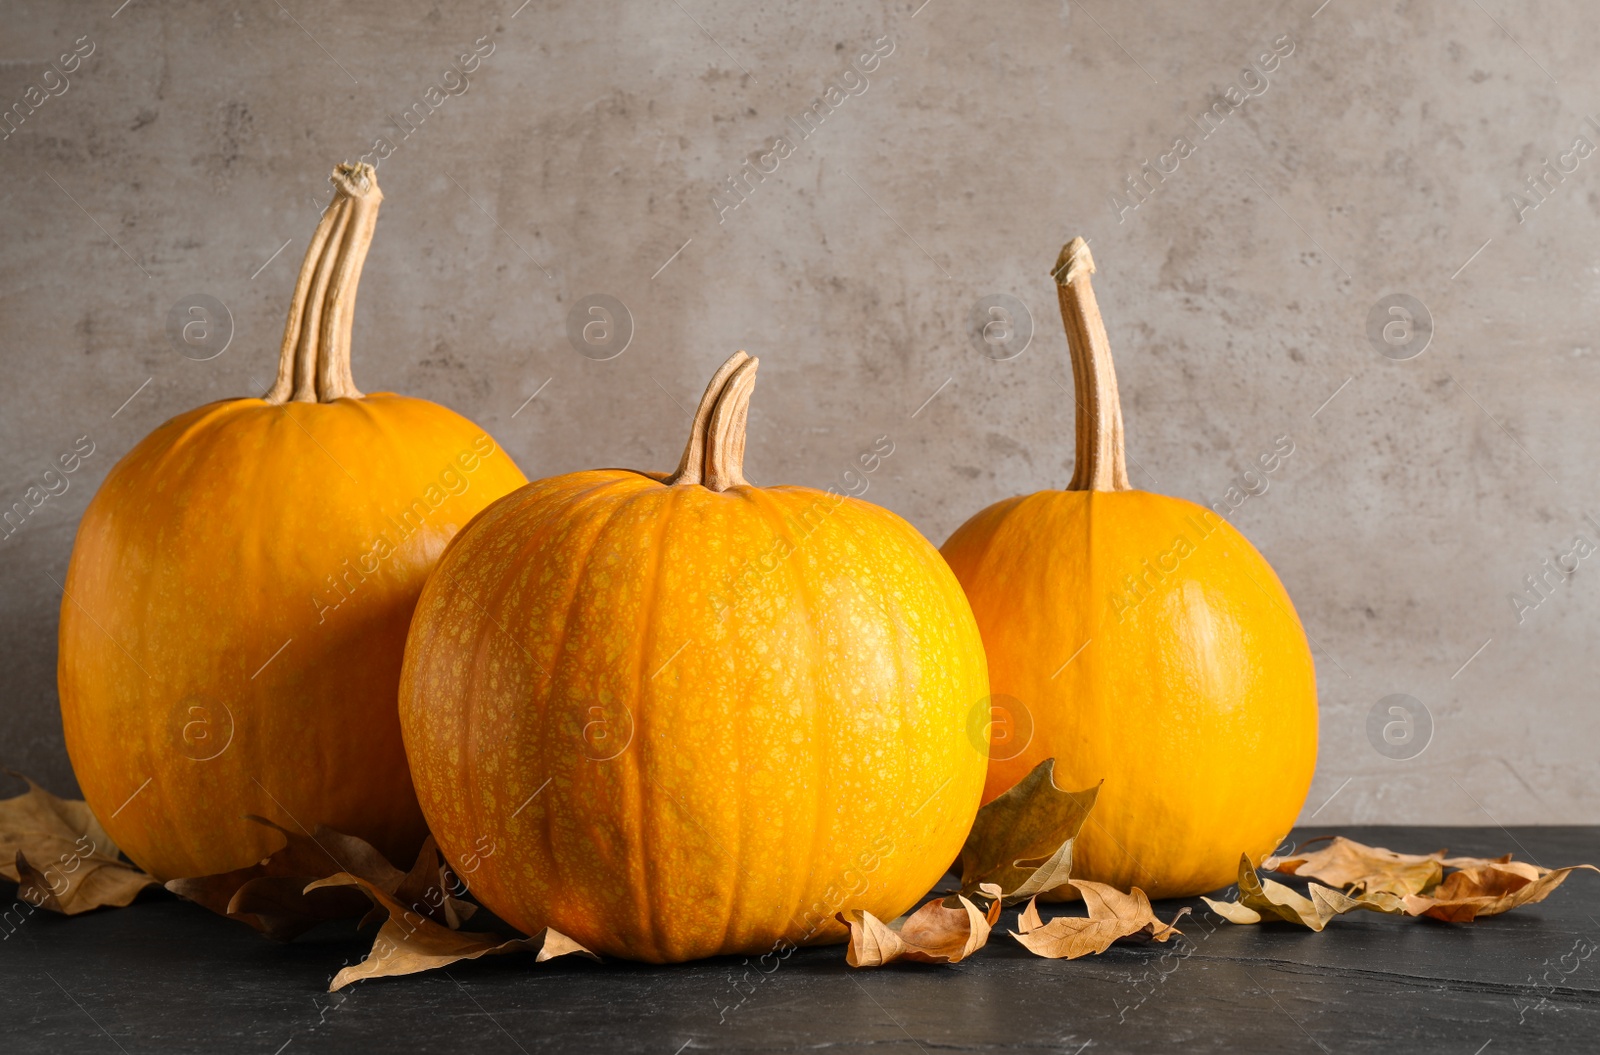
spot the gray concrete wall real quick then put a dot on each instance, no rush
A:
(1380, 156)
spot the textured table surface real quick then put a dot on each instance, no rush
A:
(165, 976)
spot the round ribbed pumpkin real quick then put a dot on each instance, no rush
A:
(239, 593)
(673, 716)
(1143, 643)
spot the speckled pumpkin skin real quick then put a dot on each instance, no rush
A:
(1195, 700)
(673, 723)
(233, 531)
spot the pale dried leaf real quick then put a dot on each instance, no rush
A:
(1350, 865)
(1233, 912)
(1265, 898)
(1489, 890)
(873, 942)
(409, 942)
(1382, 901)
(60, 857)
(1022, 841)
(1112, 915)
(938, 932)
(78, 885)
(1478, 862)
(1028, 919)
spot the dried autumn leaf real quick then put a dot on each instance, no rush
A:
(936, 933)
(59, 856)
(1415, 884)
(1112, 915)
(1476, 862)
(1260, 898)
(272, 896)
(1028, 919)
(1022, 841)
(426, 889)
(1489, 890)
(1351, 865)
(409, 942)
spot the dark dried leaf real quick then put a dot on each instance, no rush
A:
(59, 856)
(1022, 841)
(410, 942)
(271, 896)
(1489, 890)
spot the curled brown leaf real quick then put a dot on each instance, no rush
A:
(1022, 841)
(1112, 915)
(410, 942)
(60, 857)
(1489, 890)
(1417, 884)
(938, 932)
(1265, 898)
(276, 898)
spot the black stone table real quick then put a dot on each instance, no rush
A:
(164, 976)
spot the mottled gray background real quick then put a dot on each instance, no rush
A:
(196, 141)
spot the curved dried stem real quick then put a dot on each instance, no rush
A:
(314, 360)
(1101, 464)
(714, 455)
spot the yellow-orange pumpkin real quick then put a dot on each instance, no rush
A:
(679, 715)
(240, 590)
(1142, 642)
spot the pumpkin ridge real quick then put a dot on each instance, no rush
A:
(548, 507)
(760, 498)
(870, 557)
(766, 506)
(648, 904)
(577, 576)
(466, 728)
(910, 706)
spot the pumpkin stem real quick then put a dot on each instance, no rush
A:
(314, 362)
(714, 455)
(1101, 464)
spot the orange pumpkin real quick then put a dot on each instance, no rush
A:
(1142, 642)
(680, 715)
(237, 603)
